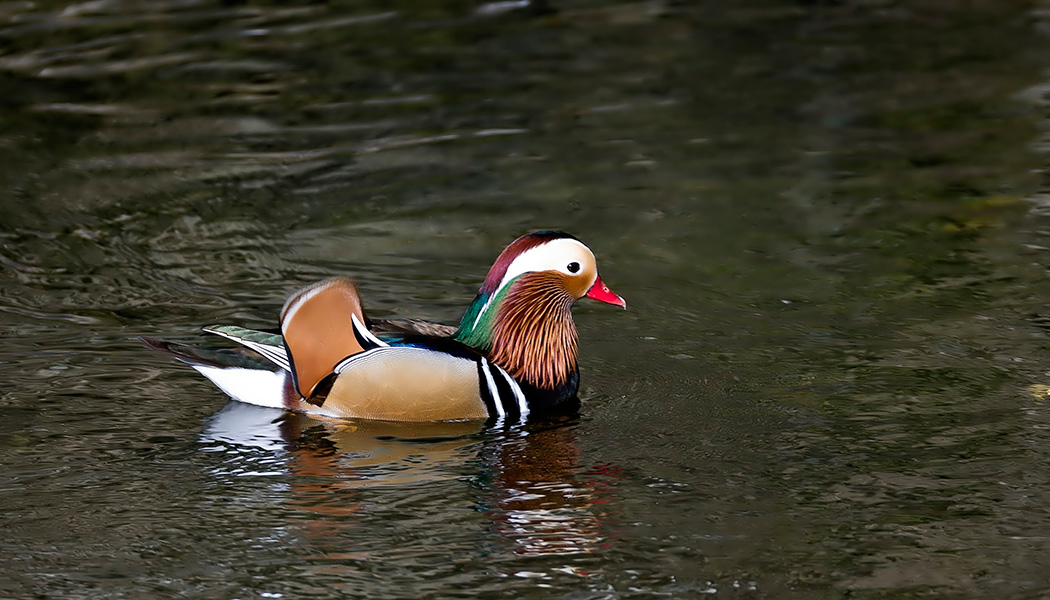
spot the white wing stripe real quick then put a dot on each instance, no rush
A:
(365, 333)
(279, 358)
(275, 354)
(349, 360)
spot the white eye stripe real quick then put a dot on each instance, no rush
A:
(548, 257)
(555, 255)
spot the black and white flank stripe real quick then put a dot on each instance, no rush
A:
(502, 396)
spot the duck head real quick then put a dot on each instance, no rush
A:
(521, 317)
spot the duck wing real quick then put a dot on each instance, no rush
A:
(413, 327)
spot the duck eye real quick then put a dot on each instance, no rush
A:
(573, 267)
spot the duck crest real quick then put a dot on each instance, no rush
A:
(476, 327)
(514, 250)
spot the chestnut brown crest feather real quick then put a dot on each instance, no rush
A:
(514, 250)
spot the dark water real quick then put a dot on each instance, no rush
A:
(830, 220)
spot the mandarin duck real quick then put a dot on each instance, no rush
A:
(514, 352)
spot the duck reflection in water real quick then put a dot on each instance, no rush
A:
(527, 479)
(543, 499)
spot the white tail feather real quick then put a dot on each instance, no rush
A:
(252, 386)
(275, 354)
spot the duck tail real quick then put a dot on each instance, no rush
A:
(241, 374)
